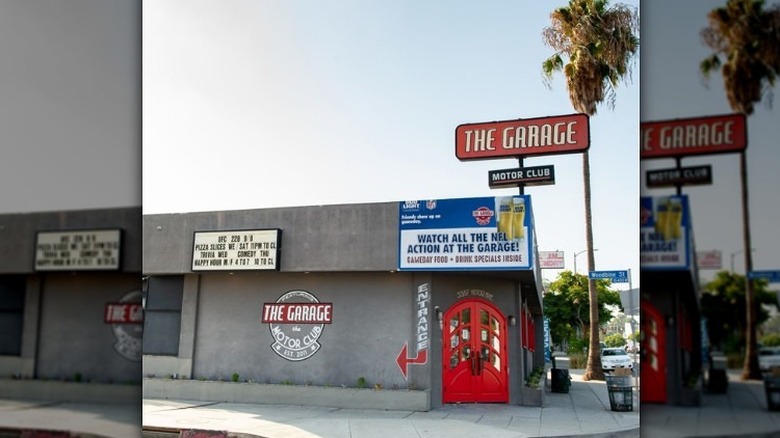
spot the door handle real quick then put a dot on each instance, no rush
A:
(478, 365)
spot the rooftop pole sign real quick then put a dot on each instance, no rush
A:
(693, 136)
(522, 137)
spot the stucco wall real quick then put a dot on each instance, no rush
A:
(361, 237)
(371, 322)
(73, 337)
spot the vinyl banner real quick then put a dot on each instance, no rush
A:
(665, 233)
(492, 233)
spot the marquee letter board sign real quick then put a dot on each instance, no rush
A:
(237, 250)
(82, 250)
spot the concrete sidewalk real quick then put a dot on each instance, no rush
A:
(584, 411)
(86, 420)
(741, 411)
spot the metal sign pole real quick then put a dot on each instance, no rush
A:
(631, 301)
(520, 186)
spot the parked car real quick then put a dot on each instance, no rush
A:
(768, 357)
(612, 358)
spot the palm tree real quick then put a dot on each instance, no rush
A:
(599, 42)
(747, 36)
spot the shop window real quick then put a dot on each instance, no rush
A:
(162, 315)
(12, 292)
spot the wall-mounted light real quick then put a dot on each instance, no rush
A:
(512, 321)
(438, 314)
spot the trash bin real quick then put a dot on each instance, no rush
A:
(772, 389)
(560, 381)
(621, 397)
(717, 381)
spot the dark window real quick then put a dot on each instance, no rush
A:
(12, 291)
(162, 316)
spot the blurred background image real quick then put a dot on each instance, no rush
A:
(70, 212)
(709, 250)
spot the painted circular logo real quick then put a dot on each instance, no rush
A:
(126, 319)
(296, 321)
(482, 215)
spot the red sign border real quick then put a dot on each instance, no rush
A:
(686, 151)
(543, 151)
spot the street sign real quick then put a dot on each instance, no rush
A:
(694, 136)
(522, 137)
(770, 276)
(615, 276)
(526, 176)
(679, 176)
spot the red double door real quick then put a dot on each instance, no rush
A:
(475, 354)
(653, 351)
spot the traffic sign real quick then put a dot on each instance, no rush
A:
(770, 276)
(614, 276)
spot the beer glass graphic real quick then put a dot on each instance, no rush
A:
(674, 219)
(661, 218)
(518, 218)
(505, 217)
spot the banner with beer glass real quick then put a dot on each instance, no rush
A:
(666, 235)
(491, 233)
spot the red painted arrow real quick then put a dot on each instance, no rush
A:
(403, 360)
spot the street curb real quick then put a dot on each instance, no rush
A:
(160, 432)
(624, 433)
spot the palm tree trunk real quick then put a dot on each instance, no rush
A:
(750, 370)
(593, 370)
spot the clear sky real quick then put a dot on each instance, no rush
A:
(258, 104)
(70, 88)
(672, 87)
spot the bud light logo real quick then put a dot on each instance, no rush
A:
(411, 205)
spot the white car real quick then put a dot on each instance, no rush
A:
(768, 357)
(612, 358)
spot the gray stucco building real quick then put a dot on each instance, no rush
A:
(337, 304)
(70, 298)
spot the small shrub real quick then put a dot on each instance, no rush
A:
(534, 378)
(578, 361)
(771, 340)
(361, 382)
(234, 377)
(615, 340)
